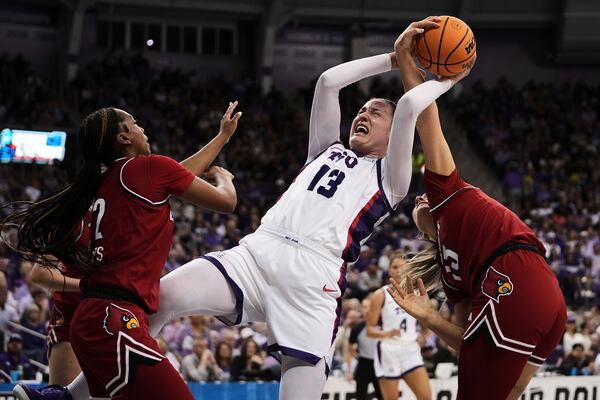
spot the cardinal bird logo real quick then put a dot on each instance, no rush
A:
(496, 284)
(119, 319)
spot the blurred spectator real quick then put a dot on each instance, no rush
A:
(248, 366)
(224, 359)
(200, 365)
(572, 335)
(14, 359)
(576, 362)
(7, 312)
(34, 347)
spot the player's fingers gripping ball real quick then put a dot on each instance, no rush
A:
(448, 49)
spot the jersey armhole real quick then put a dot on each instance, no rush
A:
(392, 210)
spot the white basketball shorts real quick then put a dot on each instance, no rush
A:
(292, 284)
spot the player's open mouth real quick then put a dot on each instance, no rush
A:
(361, 129)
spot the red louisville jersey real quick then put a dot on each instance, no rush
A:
(132, 226)
(470, 226)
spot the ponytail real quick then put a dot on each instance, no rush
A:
(423, 265)
(49, 228)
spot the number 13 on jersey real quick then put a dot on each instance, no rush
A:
(328, 189)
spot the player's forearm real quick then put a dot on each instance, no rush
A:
(342, 75)
(438, 157)
(53, 279)
(419, 97)
(375, 333)
(446, 330)
(202, 159)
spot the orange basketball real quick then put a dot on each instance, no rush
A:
(447, 50)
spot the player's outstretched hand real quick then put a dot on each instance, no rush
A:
(417, 305)
(457, 78)
(405, 44)
(229, 121)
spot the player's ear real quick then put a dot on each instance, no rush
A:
(123, 138)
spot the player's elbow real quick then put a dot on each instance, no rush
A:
(227, 203)
(231, 202)
(326, 80)
(371, 333)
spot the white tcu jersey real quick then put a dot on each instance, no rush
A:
(394, 317)
(337, 200)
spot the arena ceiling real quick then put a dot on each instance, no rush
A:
(576, 22)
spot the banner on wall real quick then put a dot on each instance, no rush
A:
(550, 388)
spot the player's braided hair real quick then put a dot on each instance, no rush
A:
(48, 229)
(423, 265)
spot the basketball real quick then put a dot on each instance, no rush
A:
(447, 50)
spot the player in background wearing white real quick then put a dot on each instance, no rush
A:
(398, 353)
(291, 271)
(365, 349)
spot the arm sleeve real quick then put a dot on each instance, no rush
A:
(155, 177)
(397, 163)
(325, 114)
(439, 187)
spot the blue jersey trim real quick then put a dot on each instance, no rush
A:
(391, 210)
(239, 295)
(290, 352)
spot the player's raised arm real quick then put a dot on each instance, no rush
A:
(397, 164)
(325, 115)
(199, 162)
(438, 157)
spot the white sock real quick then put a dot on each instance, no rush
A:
(79, 388)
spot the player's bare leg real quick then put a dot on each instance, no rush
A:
(418, 381)
(528, 372)
(301, 380)
(389, 388)
(63, 364)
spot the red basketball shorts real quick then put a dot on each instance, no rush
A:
(118, 356)
(517, 316)
(60, 322)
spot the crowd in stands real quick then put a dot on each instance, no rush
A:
(539, 137)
